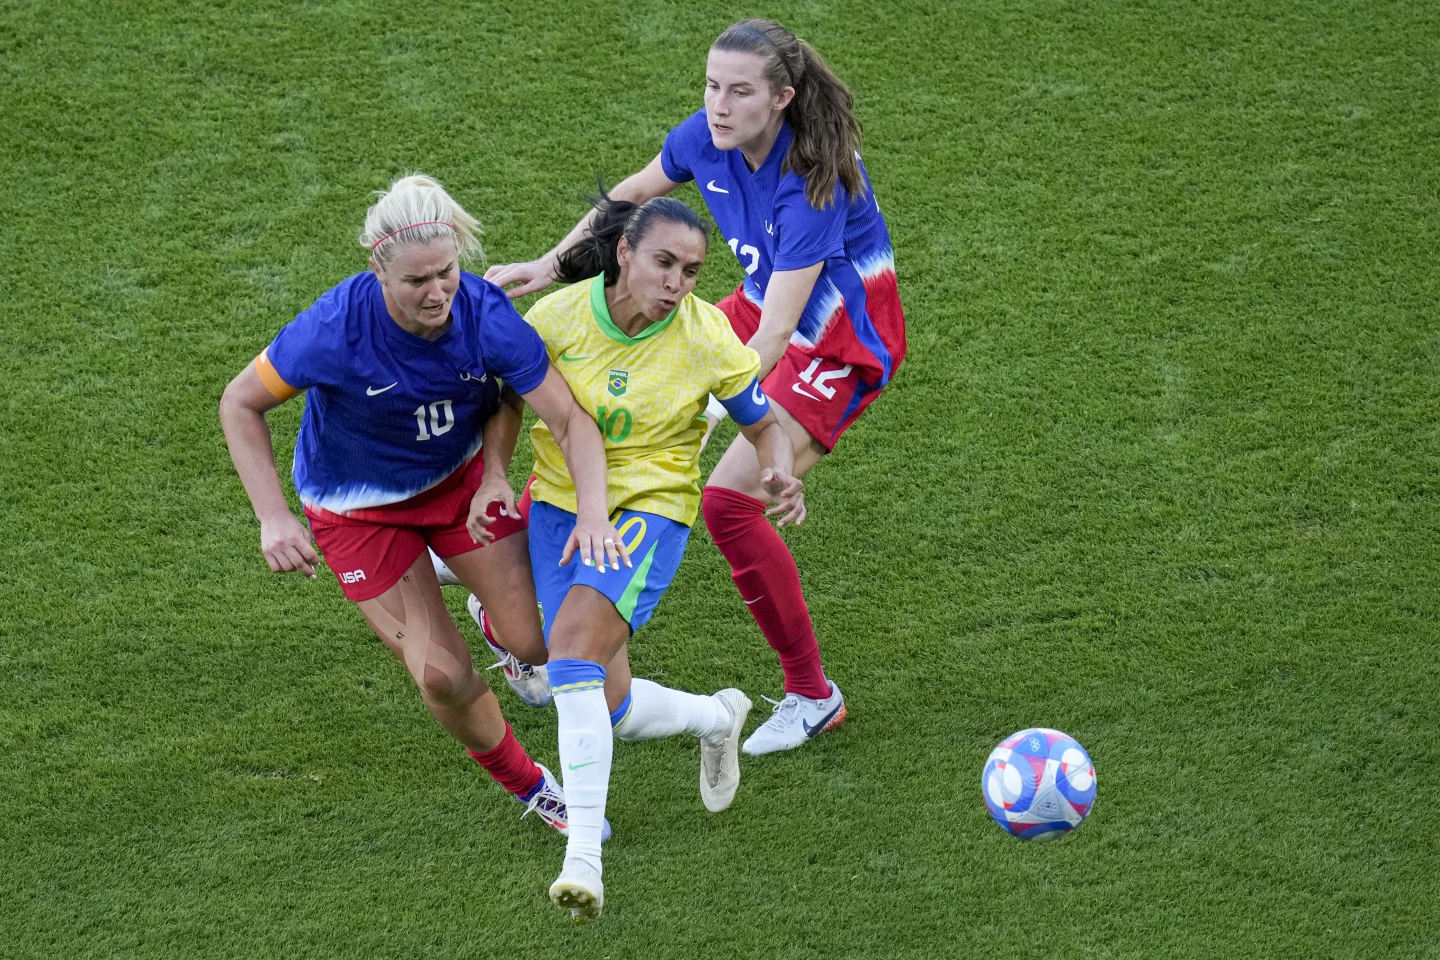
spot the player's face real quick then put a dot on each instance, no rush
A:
(420, 285)
(662, 269)
(740, 106)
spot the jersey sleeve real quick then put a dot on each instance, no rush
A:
(805, 236)
(737, 380)
(683, 146)
(513, 349)
(310, 349)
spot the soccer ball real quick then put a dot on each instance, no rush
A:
(1039, 784)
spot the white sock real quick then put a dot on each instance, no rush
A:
(585, 750)
(657, 711)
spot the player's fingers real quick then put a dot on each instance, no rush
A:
(300, 561)
(507, 504)
(289, 557)
(612, 554)
(272, 561)
(498, 272)
(569, 550)
(538, 283)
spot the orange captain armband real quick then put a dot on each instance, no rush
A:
(275, 383)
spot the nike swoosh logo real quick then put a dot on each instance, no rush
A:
(749, 602)
(577, 766)
(803, 392)
(572, 359)
(814, 731)
(714, 189)
(372, 392)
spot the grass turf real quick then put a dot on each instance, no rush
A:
(1161, 471)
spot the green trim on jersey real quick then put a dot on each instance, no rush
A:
(601, 309)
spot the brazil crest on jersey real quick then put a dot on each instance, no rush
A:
(390, 414)
(770, 225)
(647, 393)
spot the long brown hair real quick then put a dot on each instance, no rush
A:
(826, 144)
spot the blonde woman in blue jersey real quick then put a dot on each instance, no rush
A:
(641, 354)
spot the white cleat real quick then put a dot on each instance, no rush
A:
(443, 573)
(531, 684)
(795, 720)
(578, 889)
(548, 804)
(720, 753)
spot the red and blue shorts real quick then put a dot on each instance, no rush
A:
(827, 388)
(370, 550)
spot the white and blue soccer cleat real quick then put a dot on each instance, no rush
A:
(720, 752)
(579, 889)
(530, 683)
(795, 720)
(548, 803)
(443, 573)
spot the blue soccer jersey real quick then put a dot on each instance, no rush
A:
(390, 414)
(770, 225)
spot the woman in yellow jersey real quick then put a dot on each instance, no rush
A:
(642, 354)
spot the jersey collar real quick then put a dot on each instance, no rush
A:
(601, 309)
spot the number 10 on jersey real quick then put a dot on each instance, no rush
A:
(442, 418)
(614, 424)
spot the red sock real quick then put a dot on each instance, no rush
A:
(508, 763)
(769, 584)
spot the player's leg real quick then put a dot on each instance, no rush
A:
(586, 633)
(765, 573)
(502, 604)
(642, 709)
(411, 618)
(502, 589)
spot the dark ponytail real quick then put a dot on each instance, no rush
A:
(826, 146)
(597, 251)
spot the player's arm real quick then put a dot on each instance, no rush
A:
(496, 450)
(785, 299)
(580, 442)
(284, 540)
(536, 275)
(753, 414)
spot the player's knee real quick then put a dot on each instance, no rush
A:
(439, 685)
(725, 510)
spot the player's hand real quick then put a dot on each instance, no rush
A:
(788, 493)
(494, 488)
(531, 276)
(286, 544)
(596, 542)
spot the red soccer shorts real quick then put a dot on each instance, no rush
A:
(828, 388)
(370, 550)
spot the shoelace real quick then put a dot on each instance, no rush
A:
(538, 804)
(516, 668)
(791, 702)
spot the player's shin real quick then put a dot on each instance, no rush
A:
(657, 711)
(585, 752)
(765, 574)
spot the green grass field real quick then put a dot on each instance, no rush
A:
(1162, 470)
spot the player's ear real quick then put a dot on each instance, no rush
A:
(782, 100)
(622, 252)
(375, 267)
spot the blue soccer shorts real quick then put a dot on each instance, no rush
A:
(656, 545)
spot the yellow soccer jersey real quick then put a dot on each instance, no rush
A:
(647, 393)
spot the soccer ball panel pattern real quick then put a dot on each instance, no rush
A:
(1039, 784)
